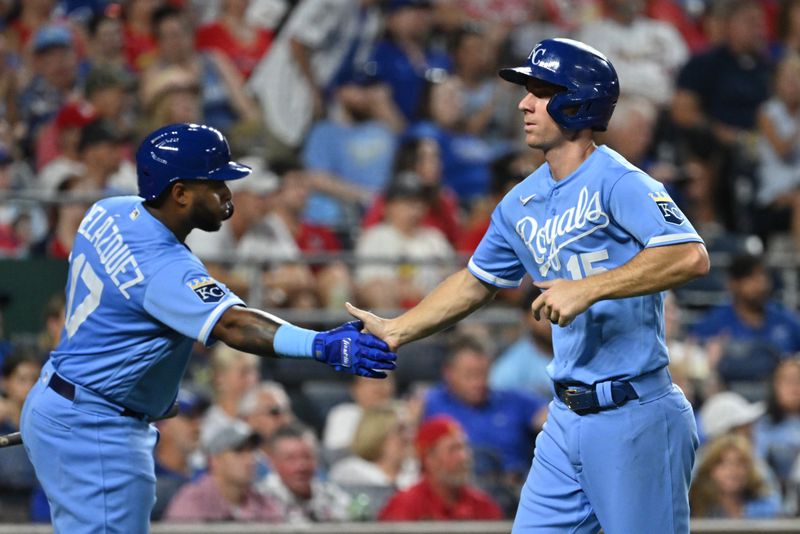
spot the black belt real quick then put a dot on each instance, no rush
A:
(582, 398)
(67, 390)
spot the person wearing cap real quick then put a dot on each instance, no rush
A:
(401, 256)
(137, 302)
(55, 78)
(226, 492)
(179, 438)
(303, 497)
(444, 492)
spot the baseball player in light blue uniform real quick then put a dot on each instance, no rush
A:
(137, 298)
(602, 240)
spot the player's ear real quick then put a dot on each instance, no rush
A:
(181, 193)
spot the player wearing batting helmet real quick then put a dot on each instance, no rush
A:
(602, 240)
(137, 299)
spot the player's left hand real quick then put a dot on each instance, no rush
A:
(347, 349)
(560, 301)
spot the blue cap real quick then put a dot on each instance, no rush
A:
(191, 404)
(51, 36)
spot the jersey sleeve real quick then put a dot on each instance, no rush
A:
(184, 297)
(495, 261)
(642, 207)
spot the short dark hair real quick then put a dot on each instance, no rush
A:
(17, 358)
(465, 342)
(744, 265)
(293, 430)
(161, 14)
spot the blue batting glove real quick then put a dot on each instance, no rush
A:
(346, 349)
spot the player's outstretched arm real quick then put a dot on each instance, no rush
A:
(452, 300)
(344, 348)
(651, 270)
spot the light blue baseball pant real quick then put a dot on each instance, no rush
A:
(625, 469)
(95, 465)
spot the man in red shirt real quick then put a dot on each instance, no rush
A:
(443, 493)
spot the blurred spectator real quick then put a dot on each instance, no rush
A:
(106, 89)
(686, 17)
(106, 41)
(320, 41)
(728, 413)
(53, 323)
(523, 366)
(33, 15)
(466, 158)
(728, 485)
(444, 493)
(105, 171)
(645, 52)
(721, 88)
(422, 156)
(779, 153)
(755, 330)
(480, 89)
(500, 424)
(390, 271)
(172, 95)
(22, 221)
(225, 104)
(17, 478)
(55, 80)
(381, 452)
(226, 493)
(686, 356)
(233, 374)
(9, 92)
(65, 218)
(343, 419)
(631, 129)
(266, 408)
(352, 152)
(140, 43)
(788, 30)
(61, 159)
(179, 438)
(302, 497)
(235, 35)
(777, 433)
(404, 59)
(334, 283)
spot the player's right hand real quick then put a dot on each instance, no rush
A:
(373, 324)
(347, 349)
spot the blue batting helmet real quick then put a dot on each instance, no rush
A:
(591, 85)
(184, 152)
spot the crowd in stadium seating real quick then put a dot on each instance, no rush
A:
(381, 138)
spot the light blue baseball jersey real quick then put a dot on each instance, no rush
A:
(137, 298)
(595, 219)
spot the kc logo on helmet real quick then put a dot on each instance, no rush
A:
(538, 59)
(206, 289)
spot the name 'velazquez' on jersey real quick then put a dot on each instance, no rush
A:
(587, 215)
(118, 261)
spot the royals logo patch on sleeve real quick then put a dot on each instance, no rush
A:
(207, 289)
(669, 210)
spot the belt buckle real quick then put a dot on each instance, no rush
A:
(579, 400)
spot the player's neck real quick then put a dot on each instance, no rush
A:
(176, 224)
(565, 158)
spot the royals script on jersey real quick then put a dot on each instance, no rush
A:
(595, 219)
